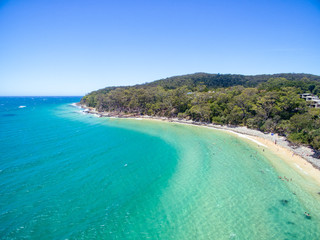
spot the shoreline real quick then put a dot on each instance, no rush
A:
(298, 157)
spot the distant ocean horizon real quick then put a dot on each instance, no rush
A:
(65, 174)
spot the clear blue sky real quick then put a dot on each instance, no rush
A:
(67, 47)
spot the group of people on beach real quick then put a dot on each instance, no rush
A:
(285, 178)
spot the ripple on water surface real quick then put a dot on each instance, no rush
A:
(66, 175)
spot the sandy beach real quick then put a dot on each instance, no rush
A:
(299, 158)
(295, 161)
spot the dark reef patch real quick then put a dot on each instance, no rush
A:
(9, 115)
(284, 202)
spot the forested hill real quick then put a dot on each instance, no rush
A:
(266, 102)
(224, 80)
(217, 80)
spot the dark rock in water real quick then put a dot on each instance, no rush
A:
(290, 223)
(284, 202)
(292, 235)
(308, 217)
(319, 193)
(9, 115)
(273, 209)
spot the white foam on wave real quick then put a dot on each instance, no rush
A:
(253, 140)
(75, 105)
(243, 136)
(232, 235)
(300, 169)
(22, 106)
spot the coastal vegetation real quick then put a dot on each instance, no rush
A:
(269, 103)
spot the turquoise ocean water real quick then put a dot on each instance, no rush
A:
(69, 175)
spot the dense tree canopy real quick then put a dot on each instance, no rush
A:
(270, 105)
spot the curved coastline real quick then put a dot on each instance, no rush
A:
(299, 158)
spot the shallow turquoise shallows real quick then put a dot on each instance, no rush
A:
(69, 175)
